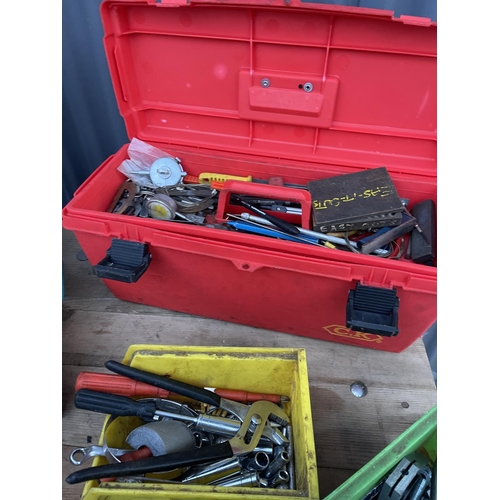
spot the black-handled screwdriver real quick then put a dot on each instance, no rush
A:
(285, 226)
(122, 406)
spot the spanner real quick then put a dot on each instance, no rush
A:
(244, 442)
(240, 410)
(94, 451)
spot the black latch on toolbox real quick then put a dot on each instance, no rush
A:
(373, 310)
(125, 261)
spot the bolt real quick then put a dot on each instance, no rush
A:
(359, 389)
(265, 82)
(256, 419)
(308, 87)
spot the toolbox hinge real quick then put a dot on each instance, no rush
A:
(169, 3)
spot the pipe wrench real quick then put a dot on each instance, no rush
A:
(244, 442)
(240, 410)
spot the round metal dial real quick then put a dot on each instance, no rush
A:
(166, 172)
(161, 207)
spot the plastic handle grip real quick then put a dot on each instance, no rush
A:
(247, 397)
(116, 384)
(207, 177)
(114, 405)
(166, 383)
(161, 463)
(142, 452)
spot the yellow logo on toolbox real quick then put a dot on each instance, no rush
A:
(342, 331)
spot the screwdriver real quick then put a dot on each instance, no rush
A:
(147, 410)
(321, 236)
(282, 224)
(124, 386)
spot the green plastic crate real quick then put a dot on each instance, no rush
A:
(421, 436)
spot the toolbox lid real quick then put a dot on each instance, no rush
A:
(294, 80)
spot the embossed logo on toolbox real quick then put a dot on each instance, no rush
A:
(342, 331)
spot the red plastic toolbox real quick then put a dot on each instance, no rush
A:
(189, 80)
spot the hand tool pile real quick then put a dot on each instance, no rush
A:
(164, 191)
(188, 434)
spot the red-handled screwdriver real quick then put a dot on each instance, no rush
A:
(124, 386)
(117, 384)
(248, 397)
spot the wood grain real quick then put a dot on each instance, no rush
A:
(348, 431)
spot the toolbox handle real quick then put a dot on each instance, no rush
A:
(276, 97)
(372, 309)
(265, 191)
(125, 261)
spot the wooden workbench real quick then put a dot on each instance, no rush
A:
(349, 431)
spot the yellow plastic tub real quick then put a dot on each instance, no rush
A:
(277, 371)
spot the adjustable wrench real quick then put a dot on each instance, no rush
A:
(244, 442)
(240, 410)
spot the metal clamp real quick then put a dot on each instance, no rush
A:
(405, 479)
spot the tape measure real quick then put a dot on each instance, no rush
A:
(166, 172)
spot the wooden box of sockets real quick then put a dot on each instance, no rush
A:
(283, 176)
(197, 443)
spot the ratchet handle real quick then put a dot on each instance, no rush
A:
(166, 383)
(121, 406)
(160, 463)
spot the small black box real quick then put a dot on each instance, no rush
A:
(362, 200)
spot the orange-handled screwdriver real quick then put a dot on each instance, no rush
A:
(124, 386)
(248, 397)
(117, 384)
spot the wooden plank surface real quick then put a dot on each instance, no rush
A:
(348, 431)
